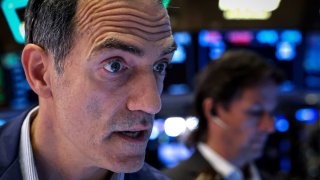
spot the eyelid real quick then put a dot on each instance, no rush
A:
(165, 68)
(115, 59)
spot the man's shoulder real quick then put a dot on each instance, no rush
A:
(9, 147)
(146, 172)
(190, 168)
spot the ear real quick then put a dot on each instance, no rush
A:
(207, 106)
(36, 64)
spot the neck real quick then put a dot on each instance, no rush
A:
(221, 144)
(56, 158)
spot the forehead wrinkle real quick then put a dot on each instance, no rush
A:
(155, 31)
(87, 13)
(133, 27)
(119, 17)
(83, 15)
(132, 31)
(129, 10)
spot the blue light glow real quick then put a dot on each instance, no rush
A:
(183, 38)
(12, 61)
(313, 81)
(19, 103)
(178, 89)
(216, 50)
(292, 36)
(209, 38)
(281, 124)
(285, 51)
(9, 8)
(308, 115)
(287, 86)
(267, 37)
(312, 54)
(180, 55)
(285, 164)
(155, 133)
(2, 122)
(156, 129)
(172, 153)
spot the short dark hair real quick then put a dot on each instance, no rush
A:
(223, 79)
(50, 24)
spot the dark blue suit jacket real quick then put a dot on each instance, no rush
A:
(9, 154)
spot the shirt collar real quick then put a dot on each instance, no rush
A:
(28, 168)
(222, 166)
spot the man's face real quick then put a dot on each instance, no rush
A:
(249, 121)
(105, 100)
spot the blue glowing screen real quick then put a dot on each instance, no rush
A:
(281, 124)
(182, 39)
(308, 115)
(292, 36)
(267, 37)
(172, 153)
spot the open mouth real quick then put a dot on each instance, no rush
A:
(133, 135)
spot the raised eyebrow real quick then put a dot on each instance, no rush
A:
(172, 48)
(112, 43)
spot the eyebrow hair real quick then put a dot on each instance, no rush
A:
(114, 43)
(118, 44)
(172, 48)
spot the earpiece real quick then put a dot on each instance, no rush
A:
(219, 122)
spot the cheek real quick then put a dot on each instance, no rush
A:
(160, 85)
(94, 108)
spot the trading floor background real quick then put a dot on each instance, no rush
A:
(286, 31)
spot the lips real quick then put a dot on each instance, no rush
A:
(134, 136)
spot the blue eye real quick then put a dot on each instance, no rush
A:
(160, 67)
(114, 66)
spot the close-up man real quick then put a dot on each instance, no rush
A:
(235, 100)
(97, 67)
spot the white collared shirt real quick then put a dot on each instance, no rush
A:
(223, 167)
(27, 165)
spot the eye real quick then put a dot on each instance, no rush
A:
(255, 113)
(160, 67)
(114, 66)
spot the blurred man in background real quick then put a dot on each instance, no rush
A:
(235, 101)
(97, 67)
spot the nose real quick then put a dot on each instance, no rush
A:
(144, 93)
(267, 123)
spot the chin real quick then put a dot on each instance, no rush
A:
(130, 165)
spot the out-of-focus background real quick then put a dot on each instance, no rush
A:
(286, 31)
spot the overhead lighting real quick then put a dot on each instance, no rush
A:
(248, 9)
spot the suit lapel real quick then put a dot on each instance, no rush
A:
(9, 148)
(201, 167)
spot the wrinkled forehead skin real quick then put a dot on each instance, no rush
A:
(147, 19)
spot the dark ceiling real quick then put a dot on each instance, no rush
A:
(188, 15)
